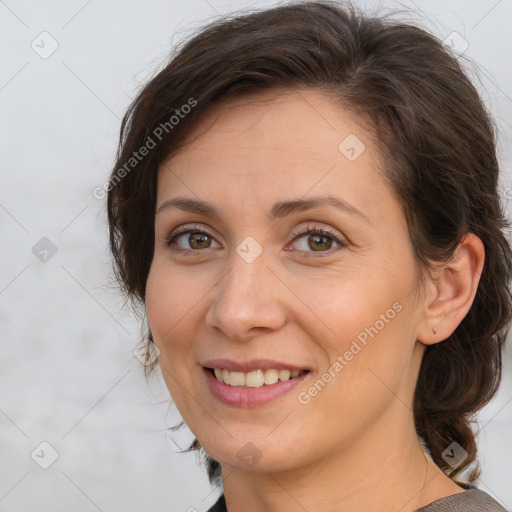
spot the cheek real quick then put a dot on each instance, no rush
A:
(367, 365)
(170, 302)
(353, 305)
(371, 343)
(168, 309)
(363, 334)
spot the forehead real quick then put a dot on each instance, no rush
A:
(274, 144)
(281, 120)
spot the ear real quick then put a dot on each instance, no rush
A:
(451, 291)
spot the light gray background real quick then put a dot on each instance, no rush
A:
(67, 372)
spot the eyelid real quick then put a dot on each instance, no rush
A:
(188, 228)
(298, 233)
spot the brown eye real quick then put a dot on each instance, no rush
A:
(190, 240)
(318, 240)
(199, 241)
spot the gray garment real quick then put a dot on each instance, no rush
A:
(471, 500)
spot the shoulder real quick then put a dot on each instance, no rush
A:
(471, 500)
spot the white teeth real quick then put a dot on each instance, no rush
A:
(236, 378)
(271, 376)
(255, 379)
(284, 374)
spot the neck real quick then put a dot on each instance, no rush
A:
(384, 469)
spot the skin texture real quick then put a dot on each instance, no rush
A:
(352, 446)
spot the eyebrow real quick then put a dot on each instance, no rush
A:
(279, 210)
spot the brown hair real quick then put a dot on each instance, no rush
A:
(436, 138)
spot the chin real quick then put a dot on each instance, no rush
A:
(254, 453)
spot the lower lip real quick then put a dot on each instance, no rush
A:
(245, 397)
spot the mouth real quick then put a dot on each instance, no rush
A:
(252, 384)
(256, 378)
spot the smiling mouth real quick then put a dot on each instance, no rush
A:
(255, 379)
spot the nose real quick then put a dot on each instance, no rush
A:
(249, 300)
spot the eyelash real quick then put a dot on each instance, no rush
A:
(308, 230)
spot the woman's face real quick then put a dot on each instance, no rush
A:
(259, 293)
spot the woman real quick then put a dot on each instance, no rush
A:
(305, 205)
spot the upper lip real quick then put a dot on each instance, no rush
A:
(250, 366)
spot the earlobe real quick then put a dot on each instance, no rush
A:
(452, 291)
